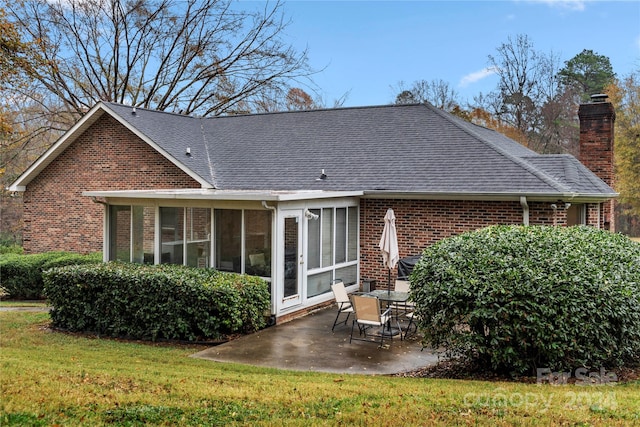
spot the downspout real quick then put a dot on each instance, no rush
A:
(525, 210)
(105, 247)
(274, 274)
(271, 208)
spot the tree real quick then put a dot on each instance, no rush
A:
(436, 92)
(625, 95)
(201, 57)
(587, 73)
(17, 61)
(518, 95)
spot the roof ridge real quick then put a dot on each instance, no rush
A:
(314, 110)
(520, 160)
(151, 110)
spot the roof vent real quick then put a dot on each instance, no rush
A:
(599, 97)
(133, 110)
(188, 151)
(322, 176)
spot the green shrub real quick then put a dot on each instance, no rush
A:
(517, 298)
(22, 274)
(155, 302)
(11, 249)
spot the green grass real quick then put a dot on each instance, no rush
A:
(11, 303)
(49, 378)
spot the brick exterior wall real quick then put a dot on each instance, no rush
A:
(105, 157)
(421, 223)
(596, 148)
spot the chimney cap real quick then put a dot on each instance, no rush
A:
(599, 97)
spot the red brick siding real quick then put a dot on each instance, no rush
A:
(421, 223)
(105, 157)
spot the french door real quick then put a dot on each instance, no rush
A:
(293, 260)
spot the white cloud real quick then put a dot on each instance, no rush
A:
(577, 5)
(476, 76)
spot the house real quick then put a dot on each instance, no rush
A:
(299, 197)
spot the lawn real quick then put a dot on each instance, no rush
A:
(50, 378)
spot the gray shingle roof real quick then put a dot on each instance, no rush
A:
(396, 148)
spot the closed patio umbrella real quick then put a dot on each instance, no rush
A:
(389, 244)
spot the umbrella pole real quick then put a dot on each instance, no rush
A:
(389, 282)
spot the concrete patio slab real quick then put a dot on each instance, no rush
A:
(307, 344)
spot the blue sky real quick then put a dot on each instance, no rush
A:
(366, 47)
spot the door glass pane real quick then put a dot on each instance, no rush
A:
(313, 251)
(143, 219)
(352, 243)
(341, 235)
(290, 257)
(120, 233)
(198, 237)
(171, 235)
(228, 240)
(257, 231)
(327, 237)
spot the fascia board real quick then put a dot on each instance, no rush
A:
(488, 196)
(211, 194)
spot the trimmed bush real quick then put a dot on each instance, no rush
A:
(155, 302)
(517, 298)
(22, 274)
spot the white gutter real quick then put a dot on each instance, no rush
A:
(525, 210)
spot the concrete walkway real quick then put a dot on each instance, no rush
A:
(307, 344)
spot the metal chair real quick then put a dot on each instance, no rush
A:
(343, 301)
(368, 315)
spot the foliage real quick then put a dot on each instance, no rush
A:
(625, 95)
(587, 73)
(197, 57)
(437, 92)
(155, 302)
(22, 274)
(517, 298)
(11, 249)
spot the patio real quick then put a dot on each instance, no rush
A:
(307, 344)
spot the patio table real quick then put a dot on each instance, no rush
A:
(393, 297)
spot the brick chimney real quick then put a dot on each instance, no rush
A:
(596, 145)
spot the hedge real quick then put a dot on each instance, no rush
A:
(22, 274)
(155, 302)
(516, 298)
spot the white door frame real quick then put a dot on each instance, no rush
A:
(290, 297)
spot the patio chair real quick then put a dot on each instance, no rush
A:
(411, 316)
(368, 315)
(343, 301)
(407, 306)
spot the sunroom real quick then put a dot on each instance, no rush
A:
(299, 242)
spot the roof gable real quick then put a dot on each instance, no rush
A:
(118, 112)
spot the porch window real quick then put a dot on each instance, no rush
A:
(257, 259)
(228, 240)
(332, 251)
(172, 235)
(198, 236)
(243, 241)
(143, 230)
(119, 233)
